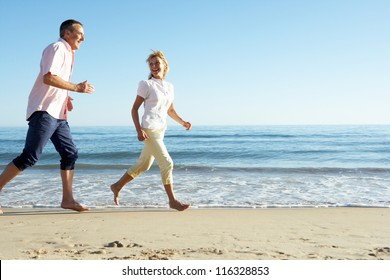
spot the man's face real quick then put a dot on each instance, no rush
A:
(75, 37)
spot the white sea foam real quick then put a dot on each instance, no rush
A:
(217, 167)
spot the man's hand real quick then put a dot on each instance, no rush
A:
(55, 81)
(84, 87)
(69, 104)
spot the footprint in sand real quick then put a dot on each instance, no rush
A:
(380, 252)
(115, 244)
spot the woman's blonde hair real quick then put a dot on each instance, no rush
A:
(160, 55)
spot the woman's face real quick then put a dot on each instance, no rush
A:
(157, 68)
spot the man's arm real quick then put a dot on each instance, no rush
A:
(55, 81)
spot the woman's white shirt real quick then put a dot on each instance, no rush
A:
(158, 96)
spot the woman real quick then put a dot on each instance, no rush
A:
(157, 96)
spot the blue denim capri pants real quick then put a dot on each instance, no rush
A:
(43, 127)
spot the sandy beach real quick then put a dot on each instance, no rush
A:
(196, 234)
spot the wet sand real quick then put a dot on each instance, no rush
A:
(196, 234)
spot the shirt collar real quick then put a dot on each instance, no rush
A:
(66, 44)
(158, 81)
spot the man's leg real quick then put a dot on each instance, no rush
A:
(63, 142)
(10, 172)
(68, 201)
(40, 129)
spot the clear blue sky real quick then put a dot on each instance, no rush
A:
(255, 62)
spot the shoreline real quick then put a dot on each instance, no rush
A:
(196, 234)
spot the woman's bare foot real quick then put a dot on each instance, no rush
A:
(116, 190)
(74, 205)
(177, 205)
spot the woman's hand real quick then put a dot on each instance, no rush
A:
(187, 125)
(142, 136)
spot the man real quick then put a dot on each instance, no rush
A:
(47, 112)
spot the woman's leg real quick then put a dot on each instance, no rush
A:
(173, 202)
(143, 164)
(117, 187)
(164, 160)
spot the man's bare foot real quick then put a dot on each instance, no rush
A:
(177, 205)
(116, 190)
(1, 211)
(74, 205)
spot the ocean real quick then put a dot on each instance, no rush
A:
(215, 167)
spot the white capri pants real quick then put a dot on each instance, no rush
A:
(154, 148)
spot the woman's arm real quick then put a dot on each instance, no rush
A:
(173, 114)
(134, 113)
